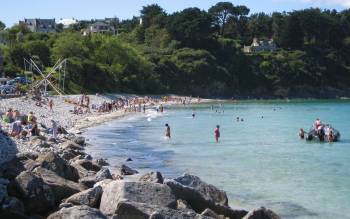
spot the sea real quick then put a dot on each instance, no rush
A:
(259, 160)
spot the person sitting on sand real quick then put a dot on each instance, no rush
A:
(167, 131)
(16, 128)
(302, 133)
(35, 130)
(217, 133)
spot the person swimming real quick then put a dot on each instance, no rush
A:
(217, 133)
(301, 133)
(193, 114)
(167, 131)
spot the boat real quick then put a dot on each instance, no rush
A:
(323, 133)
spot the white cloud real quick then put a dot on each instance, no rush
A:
(345, 3)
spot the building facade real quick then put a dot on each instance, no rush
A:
(260, 46)
(99, 27)
(40, 25)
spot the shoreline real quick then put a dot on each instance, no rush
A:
(81, 185)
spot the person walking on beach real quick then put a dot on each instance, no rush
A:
(167, 131)
(51, 105)
(217, 133)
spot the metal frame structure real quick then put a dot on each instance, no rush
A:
(60, 67)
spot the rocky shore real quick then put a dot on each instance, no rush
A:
(57, 179)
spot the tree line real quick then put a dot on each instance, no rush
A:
(195, 52)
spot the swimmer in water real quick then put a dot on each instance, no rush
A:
(167, 131)
(217, 133)
(193, 115)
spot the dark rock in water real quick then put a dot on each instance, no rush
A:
(90, 181)
(261, 213)
(154, 177)
(88, 157)
(133, 210)
(60, 187)
(150, 193)
(37, 196)
(125, 170)
(55, 163)
(88, 165)
(90, 197)
(79, 140)
(128, 160)
(12, 204)
(101, 162)
(80, 211)
(200, 195)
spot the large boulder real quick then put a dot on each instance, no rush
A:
(125, 171)
(261, 213)
(150, 193)
(79, 140)
(69, 145)
(90, 181)
(3, 192)
(15, 166)
(61, 187)
(88, 165)
(154, 177)
(55, 163)
(12, 204)
(90, 197)
(37, 196)
(200, 196)
(82, 172)
(77, 212)
(135, 210)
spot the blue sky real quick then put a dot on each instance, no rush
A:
(11, 11)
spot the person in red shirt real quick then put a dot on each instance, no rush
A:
(217, 133)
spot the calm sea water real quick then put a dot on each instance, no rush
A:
(259, 162)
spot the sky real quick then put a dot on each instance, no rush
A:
(11, 11)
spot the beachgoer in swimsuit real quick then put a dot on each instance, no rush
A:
(302, 133)
(167, 131)
(217, 133)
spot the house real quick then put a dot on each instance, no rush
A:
(40, 25)
(259, 46)
(67, 22)
(99, 27)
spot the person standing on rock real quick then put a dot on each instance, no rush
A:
(217, 133)
(51, 105)
(167, 131)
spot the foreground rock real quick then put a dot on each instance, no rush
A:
(200, 196)
(150, 193)
(133, 210)
(90, 181)
(78, 212)
(154, 177)
(90, 197)
(261, 213)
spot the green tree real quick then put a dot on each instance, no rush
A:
(221, 12)
(40, 49)
(2, 25)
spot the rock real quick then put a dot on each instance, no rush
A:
(88, 157)
(90, 197)
(103, 183)
(182, 204)
(134, 210)
(37, 196)
(27, 155)
(101, 162)
(13, 204)
(61, 188)
(150, 193)
(69, 145)
(79, 140)
(65, 205)
(82, 172)
(154, 177)
(128, 160)
(90, 181)
(36, 142)
(77, 212)
(261, 213)
(12, 168)
(125, 170)
(88, 165)
(200, 195)
(8, 214)
(3, 192)
(55, 163)
(69, 154)
(208, 212)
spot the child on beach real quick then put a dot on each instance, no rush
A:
(167, 131)
(217, 133)
(51, 105)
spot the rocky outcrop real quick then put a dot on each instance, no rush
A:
(126, 171)
(55, 163)
(150, 193)
(88, 165)
(36, 195)
(154, 177)
(200, 196)
(90, 197)
(75, 212)
(61, 188)
(261, 213)
(90, 181)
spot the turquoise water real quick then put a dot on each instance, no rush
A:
(259, 162)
